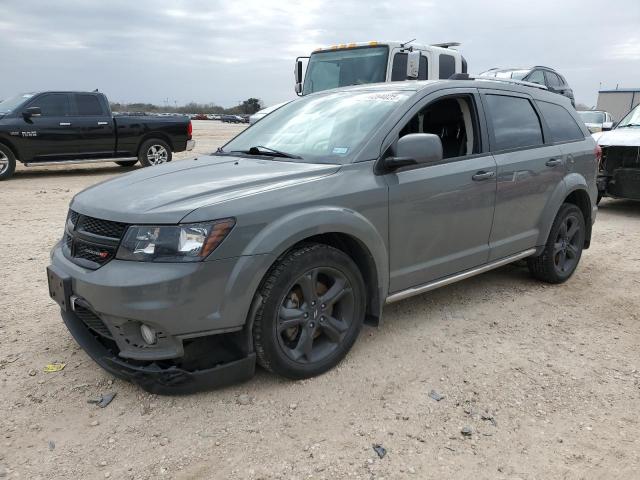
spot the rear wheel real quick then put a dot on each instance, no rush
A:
(563, 249)
(313, 306)
(7, 162)
(154, 152)
(127, 164)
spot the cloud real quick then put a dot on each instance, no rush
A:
(221, 51)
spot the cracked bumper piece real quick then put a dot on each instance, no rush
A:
(159, 377)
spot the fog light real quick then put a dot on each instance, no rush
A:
(148, 334)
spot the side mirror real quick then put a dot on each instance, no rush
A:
(415, 149)
(607, 126)
(32, 112)
(298, 75)
(413, 65)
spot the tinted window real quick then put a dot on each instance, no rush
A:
(88, 105)
(537, 76)
(399, 68)
(447, 66)
(561, 123)
(52, 104)
(515, 122)
(553, 80)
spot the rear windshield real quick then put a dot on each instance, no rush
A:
(591, 117)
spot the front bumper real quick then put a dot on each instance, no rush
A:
(190, 145)
(156, 377)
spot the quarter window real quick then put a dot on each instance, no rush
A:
(447, 64)
(52, 104)
(561, 123)
(88, 105)
(515, 122)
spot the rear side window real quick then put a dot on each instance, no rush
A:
(537, 76)
(447, 65)
(88, 105)
(553, 80)
(52, 104)
(399, 68)
(561, 123)
(515, 122)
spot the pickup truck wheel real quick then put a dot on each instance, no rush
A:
(312, 309)
(563, 249)
(127, 164)
(154, 152)
(7, 163)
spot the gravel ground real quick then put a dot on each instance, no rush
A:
(545, 380)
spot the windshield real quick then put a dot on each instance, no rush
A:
(319, 129)
(10, 104)
(339, 68)
(592, 117)
(632, 119)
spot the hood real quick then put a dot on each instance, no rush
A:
(167, 193)
(621, 137)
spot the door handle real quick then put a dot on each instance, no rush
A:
(103, 123)
(65, 124)
(482, 175)
(553, 162)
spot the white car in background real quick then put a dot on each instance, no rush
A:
(266, 111)
(596, 120)
(619, 170)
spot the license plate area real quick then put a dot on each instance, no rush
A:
(59, 287)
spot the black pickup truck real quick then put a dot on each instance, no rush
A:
(49, 128)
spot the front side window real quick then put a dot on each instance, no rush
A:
(340, 68)
(562, 126)
(514, 121)
(537, 76)
(88, 105)
(52, 104)
(453, 119)
(399, 68)
(320, 129)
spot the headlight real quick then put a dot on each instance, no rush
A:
(169, 243)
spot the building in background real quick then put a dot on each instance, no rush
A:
(618, 102)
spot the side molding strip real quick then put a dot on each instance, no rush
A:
(410, 292)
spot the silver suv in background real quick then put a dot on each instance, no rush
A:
(539, 74)
(278, 248)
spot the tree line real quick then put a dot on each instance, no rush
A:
(249, 106)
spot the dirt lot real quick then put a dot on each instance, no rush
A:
(547, 378)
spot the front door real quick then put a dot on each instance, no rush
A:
(440, 215)
(95, 125)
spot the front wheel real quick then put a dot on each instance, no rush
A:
(7, 162)
(312, 309)
(562, 252)
(154, 152)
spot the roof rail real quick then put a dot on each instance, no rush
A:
(508, 80)
(446, 44)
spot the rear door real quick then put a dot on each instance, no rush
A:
(440, 215)
(530, 168)
(51, 135)
(92, 119)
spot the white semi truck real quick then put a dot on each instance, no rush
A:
(372, 62)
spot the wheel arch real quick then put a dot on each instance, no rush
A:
(580, 198)
(152, 136)
(11, 147)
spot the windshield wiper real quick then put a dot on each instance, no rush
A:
(629, 125)
(271, 152)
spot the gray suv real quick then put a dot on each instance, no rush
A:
(276, 248)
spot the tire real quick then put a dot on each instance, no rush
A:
(562, 252)
(7, 162)
(127, 164)
(321, 325)
(154, 152)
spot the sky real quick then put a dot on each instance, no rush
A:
(222, 52)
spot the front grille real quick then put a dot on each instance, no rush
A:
(92, 242)
(104, 228)
(92, 321)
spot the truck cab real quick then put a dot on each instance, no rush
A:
(375, 62)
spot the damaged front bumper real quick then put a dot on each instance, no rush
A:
(162, 377)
